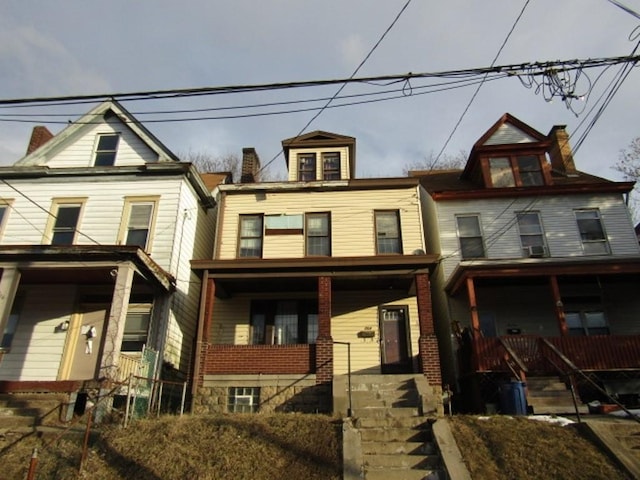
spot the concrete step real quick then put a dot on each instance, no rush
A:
(382, 402)
(404, 474)
(400, 461)
(23, 411)
(395, 422)
(406, 448)
(9, 422)
(386, 412)
(394, 435)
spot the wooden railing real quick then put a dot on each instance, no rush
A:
(601, 352)
(128, 365)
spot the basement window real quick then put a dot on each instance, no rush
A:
(244, 399)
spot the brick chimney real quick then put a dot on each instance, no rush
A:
(560, 151)
(250, 165)
(39, 136)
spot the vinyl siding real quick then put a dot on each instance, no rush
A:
(37, 348)
(352, 220)
(79, 151)
(507, 134)
(500, 231)
(293, 159)
(352, 312)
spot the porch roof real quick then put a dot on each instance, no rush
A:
(540, 267)
(388, 272)
(82, 262)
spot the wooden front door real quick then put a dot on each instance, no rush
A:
(394, 341)
(86, 350)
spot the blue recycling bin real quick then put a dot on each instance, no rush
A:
(513, 400)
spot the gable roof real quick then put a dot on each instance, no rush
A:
(322, 139)
(98, 114)
(508, 132)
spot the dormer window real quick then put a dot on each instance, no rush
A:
(516, 171)
(331, 166)
(306, 167)
(106, 149)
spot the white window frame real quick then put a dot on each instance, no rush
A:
(382, 234)
(129, 203)
(114, 151)
(7, 205)
(52, 219)
(243, 399)
(480, 235)
(137, 308)
(309, 234)
(241, 237)
(526, 250)
(588, 244)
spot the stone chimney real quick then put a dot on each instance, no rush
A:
(250, 165)
(39, 136)
(560, 151)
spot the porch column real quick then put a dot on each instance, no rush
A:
(473, 307)
(557, 302)
(324, 342)
(427, 343)
(8, 288)
(207, 296)
(114, 330)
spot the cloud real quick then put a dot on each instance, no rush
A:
(352, 51)
(33, 62)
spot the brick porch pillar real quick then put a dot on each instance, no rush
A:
(324, 342)
(428, 343)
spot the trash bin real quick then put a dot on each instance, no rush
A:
(512, 398)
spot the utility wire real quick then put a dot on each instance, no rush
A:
(351, 77)
(625, 8)
(475, 94)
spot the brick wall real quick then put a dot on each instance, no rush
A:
(265, 359)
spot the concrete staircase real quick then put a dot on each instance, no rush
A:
(18, 411)
(396, 441)
(549, 395)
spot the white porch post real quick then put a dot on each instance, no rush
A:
(8, 288)
(114, 330)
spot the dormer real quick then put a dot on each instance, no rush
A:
(510, 154)
(320, 156)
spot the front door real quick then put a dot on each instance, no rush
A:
(394, 340)
(86, 342)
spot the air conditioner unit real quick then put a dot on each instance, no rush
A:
(536, 251)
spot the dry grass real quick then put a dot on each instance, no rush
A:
(518, 448)
(194, 447)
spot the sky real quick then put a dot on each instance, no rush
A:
(79, 47)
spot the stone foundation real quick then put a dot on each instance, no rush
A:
(278, 393)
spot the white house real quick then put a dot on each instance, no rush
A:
(97, 229)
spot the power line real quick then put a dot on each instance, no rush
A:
(625, 8)
(517, 69)
(355, 72)
(475, 94)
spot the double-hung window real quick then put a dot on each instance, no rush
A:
(250, 236)
(138, 220)
(136, 328)
(106, 149)
(284, 322)
(306, 167)
(592, 234)
(318, 234)
(331, 166)
(62, 224)
(388, 238)
(12, 323)
(5, 205)
(470, 236)
(531, 234)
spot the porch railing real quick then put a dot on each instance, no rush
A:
(598, 352)
(128, 365)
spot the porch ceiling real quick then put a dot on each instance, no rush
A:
(500, 271)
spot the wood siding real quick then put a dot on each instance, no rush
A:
(37, 346)
(500, 230)
(79, 152)
(507, 134)
(352, 220)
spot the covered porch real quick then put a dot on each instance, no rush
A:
(306, 320)
(570, 318)
(76, 315)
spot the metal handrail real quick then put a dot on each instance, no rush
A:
(348, 344)
(574, 369)
(522, 369)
